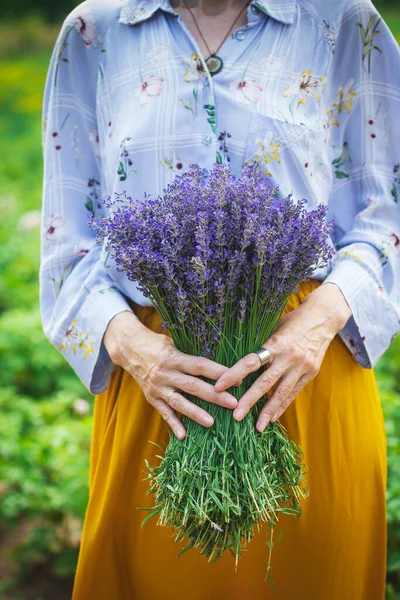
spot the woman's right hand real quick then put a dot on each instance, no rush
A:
(160, 368)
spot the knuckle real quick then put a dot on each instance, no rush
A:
(175, 401)
(283, 392)
(165, 414)
(308, 363)
(295, 393)
(310, 366)
(286, 402)
(278, 344)
(264, 384)
(294, 353)
(153, 390)
(155, 372)
(219, 397)
(201, 365)
(189, 385)
(251, 361)
(269, 412)
(168, 350)
(247, 404)
(150, 399)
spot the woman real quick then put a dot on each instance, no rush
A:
(309, 90)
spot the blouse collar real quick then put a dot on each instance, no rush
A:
(136, 11)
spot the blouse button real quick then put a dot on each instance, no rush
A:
(240, 35)
(254, 9)
(206, 141)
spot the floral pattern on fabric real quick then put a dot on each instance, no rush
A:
(173, 164)
(342, 162)
(223, 152)
(330, 35)
(77, 340)
(125, 164)
(85, 25)
(128, 103)
(343, 102)
(395, 191)
(304, 87)
(159, 55)
(368, 34)
(148, 88)
(195, 70)
(267, 150)
(54, 228)
(245, 90)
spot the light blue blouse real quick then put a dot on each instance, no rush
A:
(310, 90)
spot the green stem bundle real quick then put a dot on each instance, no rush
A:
(219, 486)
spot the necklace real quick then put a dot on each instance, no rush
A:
(214, 62)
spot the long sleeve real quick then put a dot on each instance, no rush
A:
(362, 118)
(78, 297)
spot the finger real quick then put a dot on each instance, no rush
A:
(281, 398)
(198, 387)
(301, 384)
(248, 364)
(260, 387)
(197, 365)
(169, 415)
(182, 405)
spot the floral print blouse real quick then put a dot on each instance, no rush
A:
(310, 90)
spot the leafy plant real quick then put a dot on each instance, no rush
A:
(44, 460)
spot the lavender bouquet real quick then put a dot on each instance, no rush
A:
(219, 261)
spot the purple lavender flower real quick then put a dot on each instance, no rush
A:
(207, 253)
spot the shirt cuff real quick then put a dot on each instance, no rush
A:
(88, 356)
(104, 366)
(374, 322)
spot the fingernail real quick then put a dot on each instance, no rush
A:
(208, 421)
(238, 414)
(231, 402)
(262, 425)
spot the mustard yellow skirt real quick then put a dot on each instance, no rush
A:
(335, 551)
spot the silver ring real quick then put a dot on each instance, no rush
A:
(264, 355)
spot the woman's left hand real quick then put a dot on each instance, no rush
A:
(297, 347)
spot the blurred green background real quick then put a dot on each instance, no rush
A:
(46, 413)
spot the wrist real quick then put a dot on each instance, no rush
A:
(121, 329)
(329, 299)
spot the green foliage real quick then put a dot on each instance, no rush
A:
(44, 444)
(43, 457)
(44, 460)
(392, 415)
(388, 375)
(29, 363)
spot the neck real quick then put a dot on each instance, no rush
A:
(209, 7)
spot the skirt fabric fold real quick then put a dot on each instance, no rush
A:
(336, 550)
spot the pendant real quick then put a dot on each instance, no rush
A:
(214, 64)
